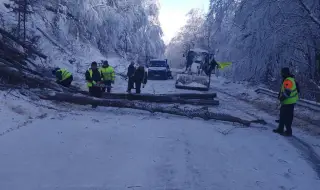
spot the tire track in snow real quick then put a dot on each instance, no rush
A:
(234, 105)
(24, 124)
(177, 171)
(193, 175)
(299, 117)
(165, 170)
(306, 151)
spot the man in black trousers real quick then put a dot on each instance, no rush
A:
(130, 75)
(140, 78)
(288, 97)
(94, 79)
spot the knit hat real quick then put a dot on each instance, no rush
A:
(285, 71)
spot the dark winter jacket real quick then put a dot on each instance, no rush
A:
(140, 75)
(131, 70)
(59, 75)
(190, 57)
(96, 76)
(213, 64)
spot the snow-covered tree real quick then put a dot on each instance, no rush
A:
(259, 37)
(190, 36)
(127, 28)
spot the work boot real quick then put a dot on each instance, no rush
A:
(287, 134)
(277, 131)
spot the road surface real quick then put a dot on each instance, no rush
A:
(75, 147)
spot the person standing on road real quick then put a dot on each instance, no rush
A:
(130, 75)
(108, 76)
(140, 78)
(63, 77)
(94, 79)
(288, 97)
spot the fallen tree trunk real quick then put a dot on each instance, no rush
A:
(183, 96)
(192, 113)
(20, 67)
(166, 98)
(188, 96)
(203, 99)
(182, 101)
(16, 76)
(30, 49)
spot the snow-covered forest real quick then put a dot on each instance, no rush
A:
(66, 30)
(115, 127)
(258, 37)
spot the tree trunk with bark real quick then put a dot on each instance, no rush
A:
(15, 75)
(191, 113)
(192, 99)
(29, 48)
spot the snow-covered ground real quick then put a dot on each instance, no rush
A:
(62, 146)
(245, 92)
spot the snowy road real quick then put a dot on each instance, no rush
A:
(124, 149)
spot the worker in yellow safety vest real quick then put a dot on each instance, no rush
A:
(94, 79)
(108, 76)
(63, 77)
(288, 97)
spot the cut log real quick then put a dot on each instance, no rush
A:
(20, 67)
(158, 96)
(191, 113)
(161, 98)
(30, 49)
(183, 96)
(16, 76)
(165, 98)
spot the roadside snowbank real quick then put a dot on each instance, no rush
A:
(246, 92)
(242, 98)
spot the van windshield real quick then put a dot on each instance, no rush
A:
(157, 64)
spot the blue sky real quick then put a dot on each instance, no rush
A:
(172, 15)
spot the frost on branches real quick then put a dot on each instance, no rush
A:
(126, 27)
(260, 37)
(122, 27)
(190, 36)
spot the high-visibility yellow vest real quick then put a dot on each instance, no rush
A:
(289, 83)
(90, 84)
(222, 65)
(108, 73)
(65, 74)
